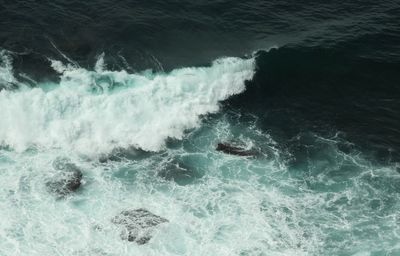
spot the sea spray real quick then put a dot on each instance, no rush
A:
(96, 111)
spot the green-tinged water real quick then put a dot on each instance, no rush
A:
(335, 204)
(149, 141)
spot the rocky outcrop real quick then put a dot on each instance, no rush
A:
(234, 150)
(67, 179)
(138, 225)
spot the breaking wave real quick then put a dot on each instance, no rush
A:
(94, 111)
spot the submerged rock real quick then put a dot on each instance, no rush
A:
(234, 150)
(120, 154)
(138, 225)
(179, 172)
(67, 179)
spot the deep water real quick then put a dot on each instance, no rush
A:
(135, 96)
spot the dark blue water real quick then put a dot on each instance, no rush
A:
(139, 93)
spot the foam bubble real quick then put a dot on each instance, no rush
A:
(93, 112)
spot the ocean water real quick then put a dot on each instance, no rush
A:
(138, 94)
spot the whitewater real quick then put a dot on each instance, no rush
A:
(95, 111)
(148, 140)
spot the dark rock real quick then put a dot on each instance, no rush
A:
(138, 225)
(143, 240)
(234, 150)
(67, 179)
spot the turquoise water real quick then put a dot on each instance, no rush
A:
(147, 140)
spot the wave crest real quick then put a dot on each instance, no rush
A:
(92, 112)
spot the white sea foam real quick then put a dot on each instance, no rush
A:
(95, 111)
(6, 70)
(339, 204)
(226, 212)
